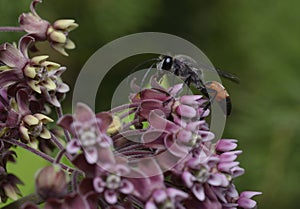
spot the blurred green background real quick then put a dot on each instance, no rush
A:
(257, 40)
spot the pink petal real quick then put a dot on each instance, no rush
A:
(12, 57)
(110, 196)
(237, 171)
(188, 179)
(74, 202)
(150, 205)
(198, 191)
(225, 145)
(246, 203)
(175, 89)
(227, 166)
(176, 194)
(249, 194)
(83, 113)
(157, 120)
(105, 120)
(185, 136)
(91, 154)
(206, 136)
(154, 95)
(159, 196)
(126, 187)
(230, 155)
(190, 99)
(24, 44)
(66, 122)
(73, 146)
(218, 179)
(186, 111)
(154, 139)
(98, 184)
(194, 126)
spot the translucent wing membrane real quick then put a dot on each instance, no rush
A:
(228, 76)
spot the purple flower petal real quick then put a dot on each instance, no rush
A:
(91, 154)
(245, 202)
(110, 196)
(229, 156)
(232, 192)
(73, 146)
(12, 57)
(185, 136)
(175, 148)
(206, 136)
(218, 179)
(154, 94)
(198, 191)
(80, 162)
(194, 126)
(190, 99)
(8, 77)
(186, 111)
(98, 184)
(237, 171)
(66, 122)
(159, 196)
(188, 179)
(24, 45)
(249, 194)
(105, 156)
(176, 194)
(227, 166)
(105, 120)
(83, 113)
(154, 139)
(157, 120)
(150, 205)
(225, 145)
(74, 202)
(63, 88)
(126, 187)
(175, 89)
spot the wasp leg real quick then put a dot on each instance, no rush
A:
(224, 103)
(228, 106)
(211, 95)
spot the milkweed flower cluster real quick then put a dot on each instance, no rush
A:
(156, 152)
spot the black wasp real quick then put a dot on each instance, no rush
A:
(191, 72)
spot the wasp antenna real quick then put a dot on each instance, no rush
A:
(146, 74)
(140, 65)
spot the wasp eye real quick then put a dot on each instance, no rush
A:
(167, 63)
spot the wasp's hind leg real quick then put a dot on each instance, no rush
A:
(211, 95)
(223, 101)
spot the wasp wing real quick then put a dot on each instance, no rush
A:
(228, 76)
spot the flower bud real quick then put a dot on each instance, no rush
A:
(51, 181)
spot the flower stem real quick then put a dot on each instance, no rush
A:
(11, 29)
(59, 115)
(36, 152)
(34, 198)
(127, 113)
(123, 107)
(60, 146)
(59, 156)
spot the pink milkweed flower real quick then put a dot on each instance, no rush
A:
(166, 198)
(88, 130)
